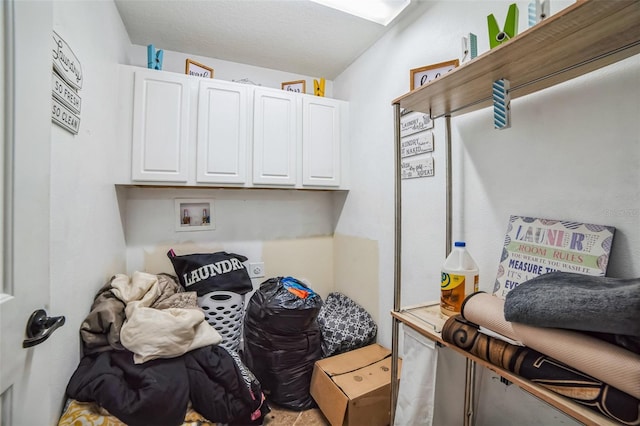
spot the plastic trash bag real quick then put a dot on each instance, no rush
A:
(283, 341)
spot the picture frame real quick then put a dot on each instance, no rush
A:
(298, 86)
(423, 75)
(197, 69)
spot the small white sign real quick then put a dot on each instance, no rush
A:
(66, 62)
(198, 70)
(65, 94)
(418, 143)
(415, 122)
(417, 168)
(64, 117)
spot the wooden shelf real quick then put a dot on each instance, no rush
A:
(581, 38)
(426, 319)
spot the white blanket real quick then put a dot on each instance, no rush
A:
(152, 333)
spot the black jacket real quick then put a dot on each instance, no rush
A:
(156, 393)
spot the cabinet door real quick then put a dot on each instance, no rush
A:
(274, 137)
(160, 127)
(321, 142)
(222, 133)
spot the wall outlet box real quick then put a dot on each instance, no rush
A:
(256, 270)
(194, 214)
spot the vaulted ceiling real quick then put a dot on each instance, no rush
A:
(296, 36)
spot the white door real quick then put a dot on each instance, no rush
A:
(222, 132)
(321, 141)
(275, 137)
(160, 148)
(26, 134)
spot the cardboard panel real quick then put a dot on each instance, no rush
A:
(361, 393)
(353, 360)
(330, 399)
(364, 380)
(373, 409)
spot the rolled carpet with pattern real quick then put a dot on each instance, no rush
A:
(609, 363)
(544, 371)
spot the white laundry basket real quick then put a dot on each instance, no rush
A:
(224, 311)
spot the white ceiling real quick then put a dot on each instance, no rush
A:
(296, 36)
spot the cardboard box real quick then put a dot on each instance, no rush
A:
(354, 388)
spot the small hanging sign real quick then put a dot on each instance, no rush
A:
(65, 94)
(414, 122)
(66, 63)
(418, 143)
(417, 168)
(64, 117)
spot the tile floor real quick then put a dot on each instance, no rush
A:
(284, 417)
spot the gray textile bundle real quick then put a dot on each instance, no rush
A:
(577, 302)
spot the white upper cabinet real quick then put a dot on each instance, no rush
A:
(275, 136)
(321, 141)
(161, 127)
(222, 139)
(191, 131)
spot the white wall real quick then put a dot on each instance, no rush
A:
(225, 70)
(290, 231)
(573, 153)
(87, 237)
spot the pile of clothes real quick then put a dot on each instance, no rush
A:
(150, 358)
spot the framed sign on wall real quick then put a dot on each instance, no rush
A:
(421, 76)
(195, 68)
(299, 86)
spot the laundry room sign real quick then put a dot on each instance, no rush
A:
(65, 94)
(417, 168)
(414, 122)
(66, 63)
(66, 81)
(417, 143)
(63, 117)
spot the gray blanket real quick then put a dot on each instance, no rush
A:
(578, 302)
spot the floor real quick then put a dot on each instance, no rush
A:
(284, 417)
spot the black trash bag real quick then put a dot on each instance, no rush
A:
(207, 272)
(282, 340)
(284, 372)
(277, 310)
(344, 325)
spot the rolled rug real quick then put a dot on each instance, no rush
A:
(612, 364)
(544, 371)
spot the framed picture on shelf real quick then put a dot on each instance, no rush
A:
(535, 246)
(299, 86)
(195, 68)
(421, 76)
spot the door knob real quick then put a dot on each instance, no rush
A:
(40, 327)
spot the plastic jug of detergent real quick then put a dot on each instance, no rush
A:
(459, 279)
